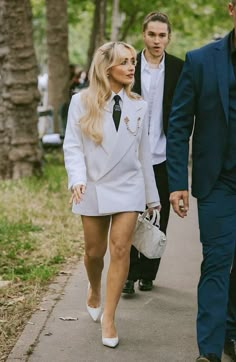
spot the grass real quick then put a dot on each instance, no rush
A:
(38, 236)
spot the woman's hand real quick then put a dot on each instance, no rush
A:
(77, 193)
(150, 209)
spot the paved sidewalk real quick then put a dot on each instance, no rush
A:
(153, 326)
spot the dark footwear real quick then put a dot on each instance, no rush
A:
(128, 287)
(209, 357)
(230, 348)
(145, 285)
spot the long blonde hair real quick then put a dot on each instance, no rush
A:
(99, 90)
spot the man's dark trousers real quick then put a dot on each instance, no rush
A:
(217, 221)
(142, 267)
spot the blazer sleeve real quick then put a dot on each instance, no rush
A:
(152, 196)
(181, 123)
(73, 146)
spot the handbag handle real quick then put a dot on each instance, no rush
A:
(154, 218)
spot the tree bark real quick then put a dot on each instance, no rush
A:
(97, 37)
(19, 150)
(116, 20)
(58, 59)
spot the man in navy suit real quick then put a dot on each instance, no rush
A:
(156, 76)
(205, 100)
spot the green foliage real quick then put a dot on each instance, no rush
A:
(39, 237)
(80, 14)
(194, 24)
(16, 246)
(53, 174)
(17, 243)
(36, 232)
(39, 26)
(79, 33)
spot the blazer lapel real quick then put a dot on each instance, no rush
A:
(169, 84)
(169, 75)
(221, 60)
(137, 75)
(122, 140)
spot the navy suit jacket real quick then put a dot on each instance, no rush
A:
(173, 68)
(201, 102)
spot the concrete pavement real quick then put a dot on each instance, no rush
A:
(153, 326)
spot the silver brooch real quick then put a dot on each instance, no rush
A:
(135, 132)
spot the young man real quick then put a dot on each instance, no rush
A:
(206, 99)
(156, 75)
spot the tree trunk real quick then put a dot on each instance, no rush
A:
(58, 59)
(116, 20)
(19, 151)
(129, 23)
(97, 37)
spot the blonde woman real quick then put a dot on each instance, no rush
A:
(110, 174)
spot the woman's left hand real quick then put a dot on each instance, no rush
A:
(150, 209)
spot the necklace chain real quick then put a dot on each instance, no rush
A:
(135, 132)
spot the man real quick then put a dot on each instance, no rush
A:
(205, 98)
(156, 76)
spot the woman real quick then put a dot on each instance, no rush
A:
(110, 173)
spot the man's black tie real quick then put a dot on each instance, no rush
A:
(116, 111)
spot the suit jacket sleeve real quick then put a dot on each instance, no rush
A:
(73, 146)
(152, 196)
(180, 128)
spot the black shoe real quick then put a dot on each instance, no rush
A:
(128, 287)
(209, 357)
(230, 348)
(145, 285)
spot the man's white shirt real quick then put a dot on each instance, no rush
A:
(152, 89)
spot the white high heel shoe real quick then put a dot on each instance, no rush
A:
(94, 312)
(109, 342)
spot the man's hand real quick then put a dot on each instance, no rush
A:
(180, 202)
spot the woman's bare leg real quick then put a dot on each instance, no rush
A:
(121, 233)
(95, 236)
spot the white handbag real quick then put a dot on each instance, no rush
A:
(148, 239)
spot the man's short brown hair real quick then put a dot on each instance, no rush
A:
(157, 16)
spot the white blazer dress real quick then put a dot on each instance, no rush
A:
(118, 173)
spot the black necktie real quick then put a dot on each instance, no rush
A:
(116, 111)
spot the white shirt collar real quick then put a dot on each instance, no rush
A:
(144, 63)
(111, 101)
(121, 94)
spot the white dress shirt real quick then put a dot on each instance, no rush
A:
(152, 89)
(111, 101)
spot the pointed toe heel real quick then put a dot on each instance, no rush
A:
(109, 342)
(94, 312)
